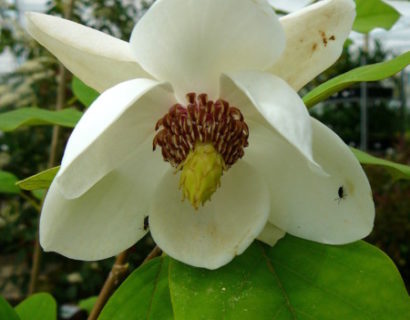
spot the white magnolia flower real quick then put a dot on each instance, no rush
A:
(282, 170)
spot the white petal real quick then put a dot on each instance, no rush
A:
(306, 204)
(115, 124)
(314, 40)
(289, 6)
(109, 217)
(271, 234)
(99, 60)
(277, 102)
(214, 234)
(190, 43)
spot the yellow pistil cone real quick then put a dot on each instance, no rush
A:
(201, 174)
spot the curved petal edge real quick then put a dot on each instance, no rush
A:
(117, 123)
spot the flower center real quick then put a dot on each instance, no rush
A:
(202, 139)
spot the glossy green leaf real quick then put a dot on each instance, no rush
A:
(8, 183)
(6, 311)
(296, 279)
(84, 93)
(40, 180)
(144, 295)
(40, 306)
(371, 14)
(397, 170)
(12, 120)
(88, 304)
(372, 72)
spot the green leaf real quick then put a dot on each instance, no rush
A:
(12, 120)
(144, 295)
(296, 279)
(40, 306)
(372, 14)
(40, 180)
(8, 183)
(88, 304)
(38, 194)
(6, 311)
(397, 170)
(373, 72)
(84, 93)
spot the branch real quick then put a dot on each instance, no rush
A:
(116, 276)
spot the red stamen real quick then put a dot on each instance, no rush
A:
(201, 121)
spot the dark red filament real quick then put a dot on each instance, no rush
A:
(201, 121)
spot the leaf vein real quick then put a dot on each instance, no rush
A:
(281, 287)
(323, 289)
(155, 288)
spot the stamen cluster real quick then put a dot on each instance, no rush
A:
(203, 121)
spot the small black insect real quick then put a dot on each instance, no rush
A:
(146, 223)
(341, 193)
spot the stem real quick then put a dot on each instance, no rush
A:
(116, 276)
(36, 258)
(154, 253)
(61, 97)
(35, 268)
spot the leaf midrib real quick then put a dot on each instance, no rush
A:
(280, 285)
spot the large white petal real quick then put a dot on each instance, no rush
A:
(306, 204)
(114, 125)
(276, 101)
(109, 217)
(190, 43)
(214, 234)
(314, 40)
(99, 60)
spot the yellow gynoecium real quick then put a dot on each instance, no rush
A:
(201, 174)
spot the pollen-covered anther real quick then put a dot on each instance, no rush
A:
(201, 121)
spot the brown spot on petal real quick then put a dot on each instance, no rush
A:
(314, 47)
(324, 38)
(332, 37)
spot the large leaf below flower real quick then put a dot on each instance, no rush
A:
(296, 279)
(12, 120)
(374, 14)
(40, 306)
(397, 170)
(144, 295)
(373, 72)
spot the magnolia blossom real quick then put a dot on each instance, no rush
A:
(212, 85)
